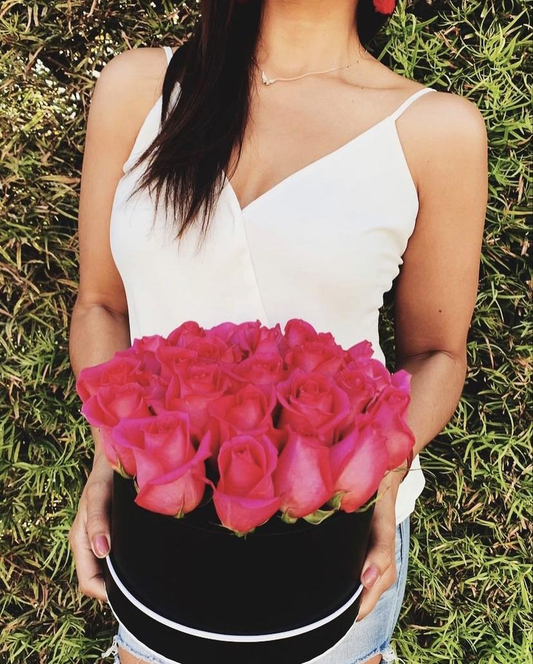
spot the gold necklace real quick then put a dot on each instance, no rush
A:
(268, 81)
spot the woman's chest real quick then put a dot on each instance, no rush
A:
(348, 216)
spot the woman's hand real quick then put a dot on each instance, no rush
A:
(379, 570)
(89, 535)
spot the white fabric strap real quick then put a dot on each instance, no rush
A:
(168, 51)
(248, 638)
(409, 101)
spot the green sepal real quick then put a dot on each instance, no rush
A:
(335, 501)
(121, 471)
(239, 534)
(318, 516)
(288, 519)
(368, 504)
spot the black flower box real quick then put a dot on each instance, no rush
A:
(196, 593)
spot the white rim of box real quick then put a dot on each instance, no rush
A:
(246, 638)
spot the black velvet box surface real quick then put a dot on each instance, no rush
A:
(196, 593)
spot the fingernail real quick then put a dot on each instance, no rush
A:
(101, 545)
(370, 576)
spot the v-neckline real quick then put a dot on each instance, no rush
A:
(304, 169)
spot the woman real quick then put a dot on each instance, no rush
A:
(342, 157)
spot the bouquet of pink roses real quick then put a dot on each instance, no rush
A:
(273, 422)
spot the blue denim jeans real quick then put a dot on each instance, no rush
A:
(365, 639)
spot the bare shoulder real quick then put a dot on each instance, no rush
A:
(126, 90)
(449, 118)
(437, 115)
(433, 118)
(146, 63)
(133, 79)
(441, 132)
(453, 142)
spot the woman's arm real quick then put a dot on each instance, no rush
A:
(435, 292)
(124, 93)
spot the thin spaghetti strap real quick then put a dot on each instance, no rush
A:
(169, 53)
(409, 101)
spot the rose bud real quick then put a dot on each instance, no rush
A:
(117, 371)
(358, 463)
(389, 409)
(298, 331)
(312, 400)
(244, 497)
(263, 369)
(146, 349)
(303, 478)
(170, 472)
(185, 333)
(248, 411)
(321, 354)
(191, 391)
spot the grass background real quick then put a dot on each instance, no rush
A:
(467, 598)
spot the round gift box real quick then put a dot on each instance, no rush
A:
(195, 592)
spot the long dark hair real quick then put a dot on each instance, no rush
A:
(191, 152)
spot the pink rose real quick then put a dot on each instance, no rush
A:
(360, 352)
(224, 331)
(298, 331)
(116, 371)
(244, 497)
(262, 369)
(358, 463)
(244, 335)
(109, 406)
(312, 401)
(321, 354)
(359, 357)
(248, 411)
(271, 340)
(170, 472)
(145, 349)
(165, 435)
(358, 385)
(191, 390)
(210, 349)
(155, 392)
(174, 359)
(113, 402)
(147, 344)
(251, 337)
(389, 409)
(185, 333)
(303, 479)
(377, 372)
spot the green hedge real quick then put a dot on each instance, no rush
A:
(467, 598)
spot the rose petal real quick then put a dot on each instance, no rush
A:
(177, 497)
(302, 477)
(358, 464)
(242, 514)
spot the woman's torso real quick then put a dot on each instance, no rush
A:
(324, 245)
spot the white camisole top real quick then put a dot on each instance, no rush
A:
(323, 245)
